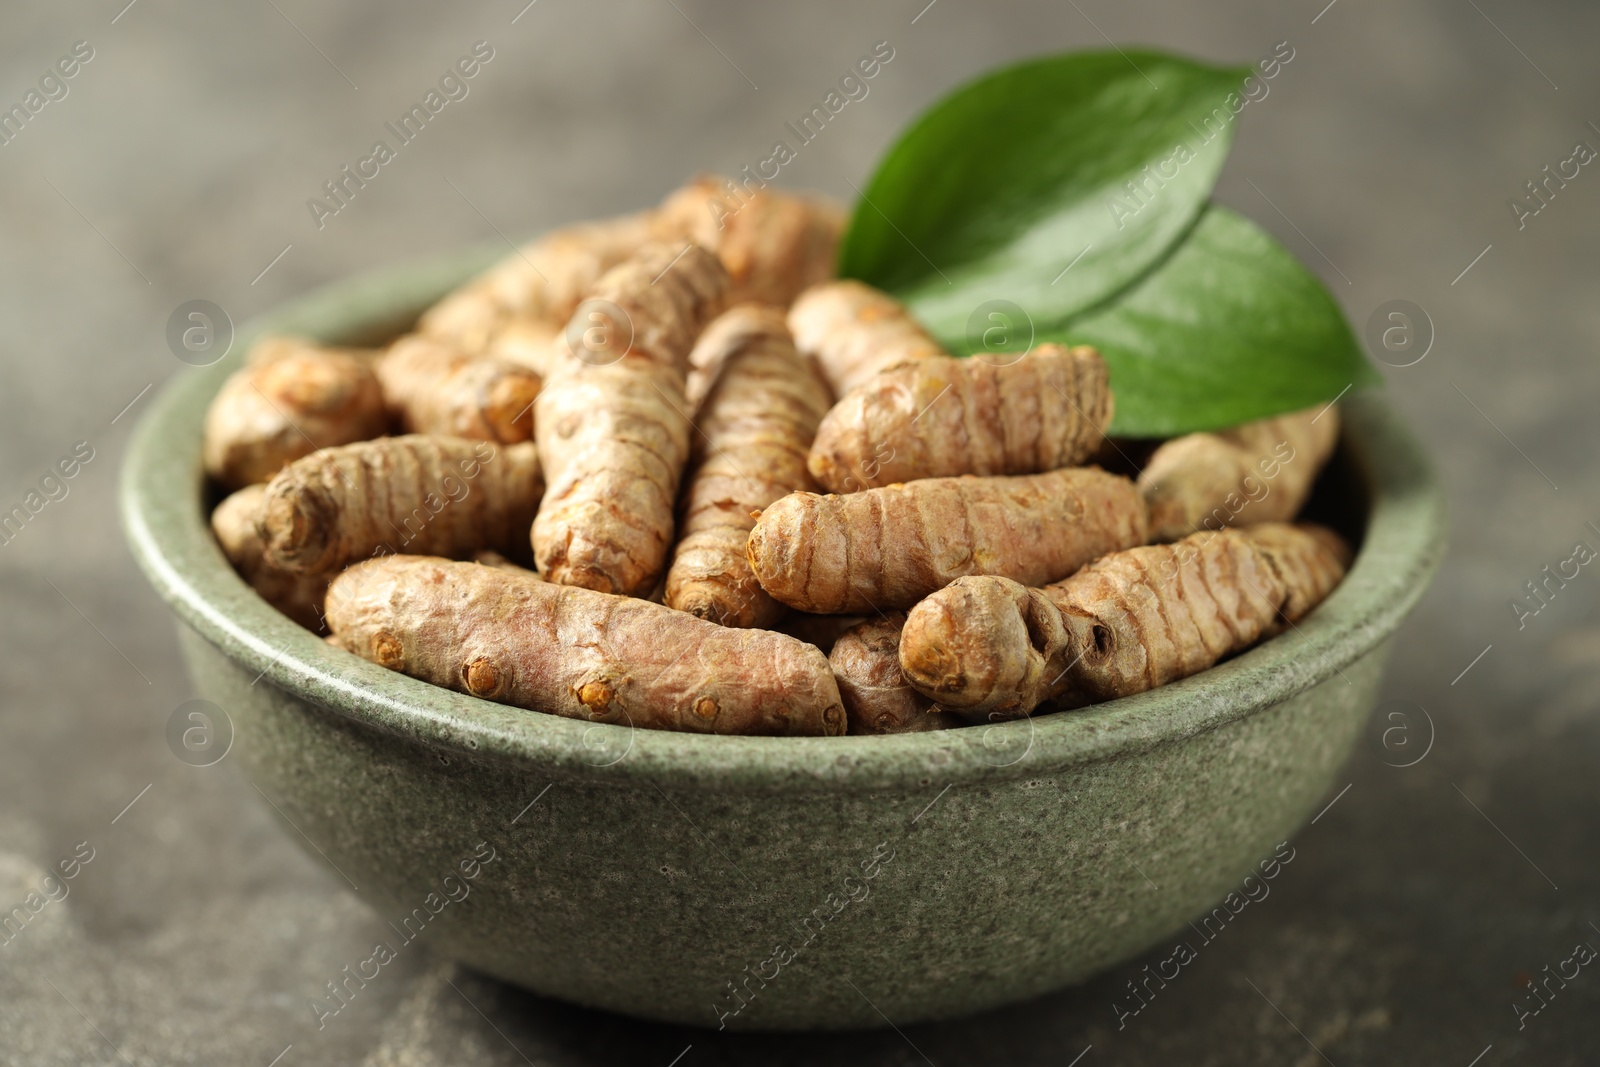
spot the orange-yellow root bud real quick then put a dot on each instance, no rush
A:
(888, 548)
(575, 652)
(940, 417)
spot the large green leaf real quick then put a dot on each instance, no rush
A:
(1229, 328)
(1009, 181)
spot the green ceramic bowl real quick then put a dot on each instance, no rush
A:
(776, 883)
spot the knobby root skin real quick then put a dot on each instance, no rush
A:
(754, 429)
(431, 387)
(887, 548)
(291, 398)
(1309, 560)
(1258, 472)
(667, 294)
(877, 697)
(774, 245)
(446, 496)
(614, 436)
(233, 522)
(1134, 620)
(731, 334)
(1147, 618)
(985, 648)
(542, 282)
(941, 416)
(855, 331)
(962, 567)
(615, 441)
(575, 652)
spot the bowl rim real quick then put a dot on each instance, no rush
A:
(161, 498)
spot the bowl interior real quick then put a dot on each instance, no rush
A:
(1380, 491)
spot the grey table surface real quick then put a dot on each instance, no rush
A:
(178, 166)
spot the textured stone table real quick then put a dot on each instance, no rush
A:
(178, 166)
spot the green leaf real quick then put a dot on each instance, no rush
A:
(1009, 181)
(1074, 189)
(1229, 328)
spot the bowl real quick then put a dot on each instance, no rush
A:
(775, 883)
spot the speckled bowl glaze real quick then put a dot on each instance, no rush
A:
(776, 883)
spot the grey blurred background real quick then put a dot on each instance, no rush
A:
(178, 166)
